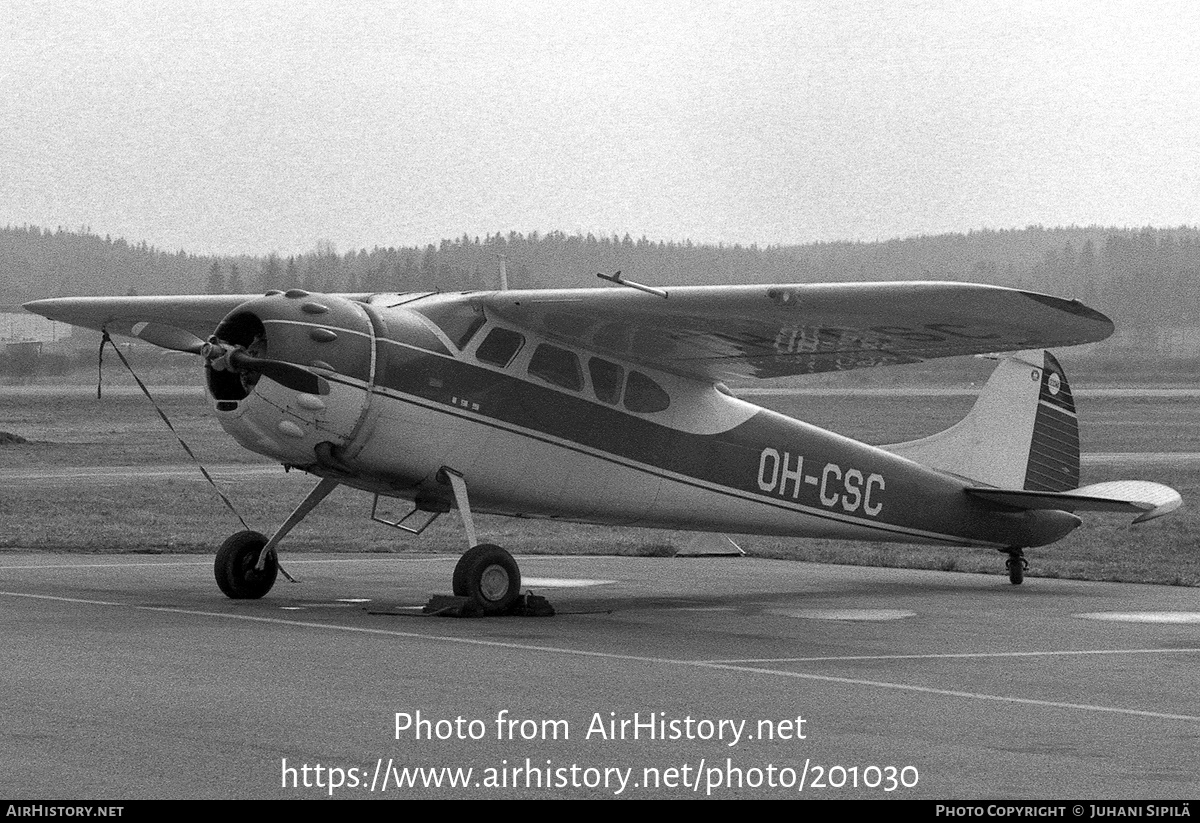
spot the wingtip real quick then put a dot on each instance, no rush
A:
(51, 307)
(1075, 307)
(1159, 511)
(36, 306)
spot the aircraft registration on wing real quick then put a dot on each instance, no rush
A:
(607, 406)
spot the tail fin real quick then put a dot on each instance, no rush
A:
(1022, 433)
(1020, 442)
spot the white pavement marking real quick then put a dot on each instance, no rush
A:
(1144, 617)
(956, 391)
(1138, 458)
(698, 664)
(138, 472)
(843, 614)
(563, 582)
(955, 655)
(292, 560)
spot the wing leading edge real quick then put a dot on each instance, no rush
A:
(196, 315)
(179, 322)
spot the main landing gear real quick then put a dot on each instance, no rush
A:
(1016, 565)
(486, 575)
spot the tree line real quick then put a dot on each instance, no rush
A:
(1147, 279)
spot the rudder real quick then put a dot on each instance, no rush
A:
(1053, 464)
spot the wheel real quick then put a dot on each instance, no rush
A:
(234, 567)
(489, 576)
(1016, 565)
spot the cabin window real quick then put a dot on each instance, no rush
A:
(557, 366)
(606, 380)
(643, 395)
(500, 347)
(459, 322)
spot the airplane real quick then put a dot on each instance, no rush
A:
(608, 406)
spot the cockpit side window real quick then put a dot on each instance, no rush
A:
(556, 366)
(457, 321)
(411, 329)
(499, 347)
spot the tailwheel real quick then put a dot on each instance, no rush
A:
(235, 568)
(489, 576)
(1016, 565)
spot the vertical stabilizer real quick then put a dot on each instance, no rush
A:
(1022, 433)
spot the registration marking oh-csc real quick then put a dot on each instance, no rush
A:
(850, 490)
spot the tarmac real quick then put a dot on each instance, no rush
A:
(131, 676)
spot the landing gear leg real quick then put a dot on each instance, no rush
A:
(486, 574)
(1016, 565)
(246, 563)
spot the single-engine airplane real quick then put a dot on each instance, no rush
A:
(607, 406)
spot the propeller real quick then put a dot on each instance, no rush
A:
(225, 356)
(297, 378)
(288, 375)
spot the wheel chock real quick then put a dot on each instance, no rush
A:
(449, 605)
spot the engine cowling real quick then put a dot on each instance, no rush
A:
(290, 375)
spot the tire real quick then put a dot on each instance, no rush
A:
(234, 567)
(1016, 570)
(489, 576)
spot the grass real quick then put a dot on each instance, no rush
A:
(183, 514)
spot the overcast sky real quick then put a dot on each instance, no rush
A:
(254, 126)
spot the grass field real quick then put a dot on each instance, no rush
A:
(137, 511)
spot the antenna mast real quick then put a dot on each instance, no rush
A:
(503, 272)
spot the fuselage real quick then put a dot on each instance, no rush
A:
(538, 428)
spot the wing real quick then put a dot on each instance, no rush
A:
(173, 322)
(178, 322)
(714, 332)
(718, 332)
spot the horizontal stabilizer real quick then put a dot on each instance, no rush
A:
(1150, 499)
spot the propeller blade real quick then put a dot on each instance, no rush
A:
(288, 375)
(168, 337)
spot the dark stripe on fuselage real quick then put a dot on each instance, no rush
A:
(713, 486)
(910, 499)
(808, 471)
